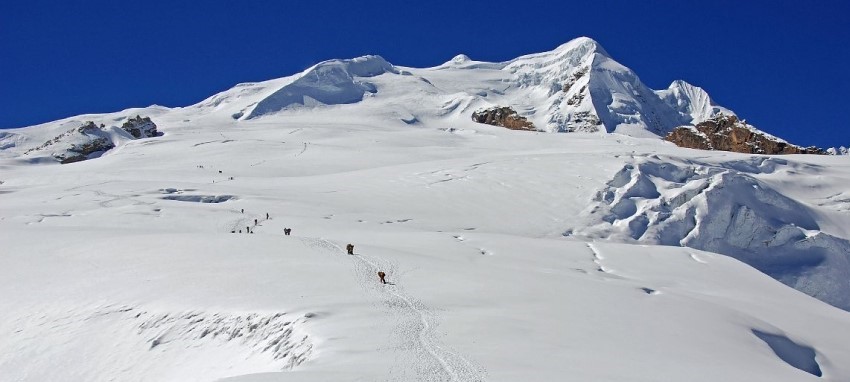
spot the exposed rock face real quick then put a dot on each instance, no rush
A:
(504, 117)
(140, 127)
(727, 133)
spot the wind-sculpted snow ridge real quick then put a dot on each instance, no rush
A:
(723, 208)
(206, 345)
(331, 82)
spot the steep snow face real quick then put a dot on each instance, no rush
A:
(331, 82)
(624, 104)
(691, 102)
(579, 87)
(722, 208)
(556, 86)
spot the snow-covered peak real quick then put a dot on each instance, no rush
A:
(838, 151)
(691, 102)
(557, 63)
(460, 59)
(582, 43)
(579, 87)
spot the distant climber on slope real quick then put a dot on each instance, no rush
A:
(382, 275)
(350, 249)
(287, 231)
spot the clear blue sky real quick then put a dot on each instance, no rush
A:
(782, 65)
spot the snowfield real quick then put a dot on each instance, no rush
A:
(510, 255)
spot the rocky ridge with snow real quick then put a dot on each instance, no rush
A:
(727, 133)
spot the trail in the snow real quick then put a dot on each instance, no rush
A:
(415, 324)
(610, 275)
(303, 149)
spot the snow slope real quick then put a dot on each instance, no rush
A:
(135, 284)
(511, 255)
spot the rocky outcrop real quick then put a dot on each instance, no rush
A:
(90, 140)
(503, 116)
(80, 150)
(727, 133)
(140, 127)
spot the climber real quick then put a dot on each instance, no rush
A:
(350, 249)
(381, 276)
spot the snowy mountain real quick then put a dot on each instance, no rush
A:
(606, 254)
(576, 87)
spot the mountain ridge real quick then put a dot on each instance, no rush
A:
(575, 87)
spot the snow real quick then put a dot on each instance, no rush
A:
(841, 150)
(124, 267)
(722, 207)
(692, 102)
(328, 83)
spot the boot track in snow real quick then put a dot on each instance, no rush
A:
(415, 323)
